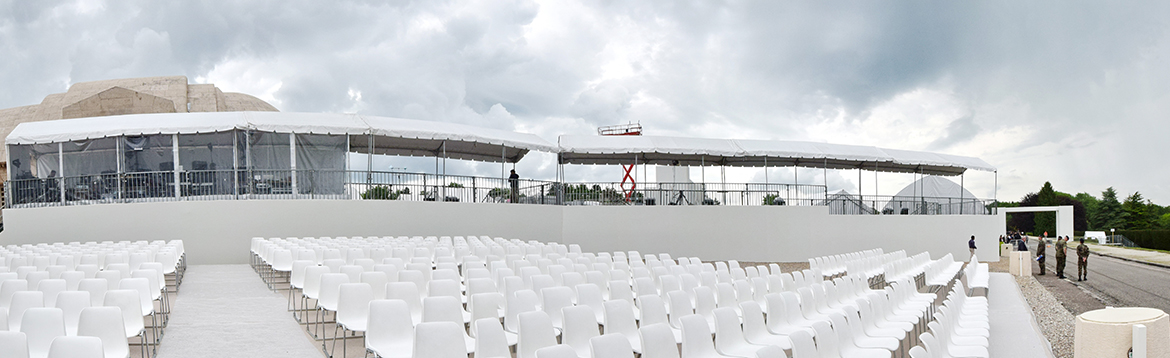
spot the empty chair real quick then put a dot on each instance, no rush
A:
(353, 304)
(680, 305)
(42, 325)
(610, 346)
(554, 299)
(729, 339)
(619, 318)
(433, 340)
(864, 346)
(128, 302)
(654, 311)
(449, 288)
(803, 345)
(105, 323)
(76, 347)
(755, 330)
(520, 302)
(490, 339)
(377, 281)
(71, 303)
(13, 344)
(390, 330)
(447, 309)
(96, 287)
(9, 288)
(696, 342)
(580, 327)
(589, 295)
(536, 332)
(23, 301)
(658, 341)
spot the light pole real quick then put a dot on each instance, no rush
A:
(1112, 233)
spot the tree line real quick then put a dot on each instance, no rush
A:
(1089, 212)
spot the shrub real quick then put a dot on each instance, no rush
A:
(1150, 239)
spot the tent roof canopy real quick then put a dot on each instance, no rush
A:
(394, 136)
(590, 149)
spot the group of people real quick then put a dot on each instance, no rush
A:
(1061, 255)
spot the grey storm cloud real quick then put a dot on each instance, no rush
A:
(1037, 87)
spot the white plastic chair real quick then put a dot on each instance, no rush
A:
(536, 332)
(51, 287)
(755, 330)
(589, 295)
(521, 301)
(447, 309)
(859, 346)
(71, 303)
(76, 347)
(21, 302)
(13, 344)
(377, 281)
(619, 318)
(127, 301)
(96, 287)
(353, 311)
(729, 338)
(654, 311)
(42, 325)
(610, 346)
(580, 326)
(391, 329)
(696, 342)
(433, 340)
(554, 299)
(490, 339)
(105, 323)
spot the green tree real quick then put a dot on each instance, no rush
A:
(1046, 221)
(1135, 212)
(1109, 212)
(1090, 202)
(1164, 221)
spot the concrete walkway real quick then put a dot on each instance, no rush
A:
(1014, 331)
(227, 311)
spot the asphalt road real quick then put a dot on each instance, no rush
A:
(1116, 282)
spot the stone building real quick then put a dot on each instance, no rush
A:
(170, 94)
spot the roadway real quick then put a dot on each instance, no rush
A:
(1114, 281)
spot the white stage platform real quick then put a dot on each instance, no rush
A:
(1014, 331)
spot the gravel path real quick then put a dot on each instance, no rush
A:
(1055, 320)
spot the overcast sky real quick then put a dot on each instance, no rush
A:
(1072, 92)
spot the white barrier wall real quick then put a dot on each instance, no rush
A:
(219, 232)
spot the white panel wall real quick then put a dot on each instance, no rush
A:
(219, 232)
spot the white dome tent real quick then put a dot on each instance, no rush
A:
(933, 195)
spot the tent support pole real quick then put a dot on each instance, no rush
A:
(962, 178)
(765, 171)
(995, 192)
(369, 160)
(61, 170)
(175, 167)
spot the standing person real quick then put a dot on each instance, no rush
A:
(971, 245)
(1082, 261)
(514, 182)
(1061, 246)
(1041, 248)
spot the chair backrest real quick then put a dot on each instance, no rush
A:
(554, 299)
(828, 345)
(610, 346)
(21, 302)
(434, 340)
(680, 305)
(51, 287)
(71, 303)
(442, 309)
(297, 278)
(9, 288)
(390, 327)
(490, 341)
(142, 286)
(696, 337)
(96, 287)
(13, 344)
(128, 302)
(42, 325)
(535, 332)
(619, 319)
(377, 281)
(520, 302)
(76, 347)
(556, 351)
(311, 287)
(580, 326)
(353, 305)
(620, 290)
(106, 324)
(919, 352)
(485, 305)
(330, 287)
(770, 352)
(589, 295)
(802, 345)
(728, 332)
(652, 309)
(444, 287)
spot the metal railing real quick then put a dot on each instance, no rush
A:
(254, 184)
(903, 205)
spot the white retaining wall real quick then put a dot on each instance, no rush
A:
(219, 232)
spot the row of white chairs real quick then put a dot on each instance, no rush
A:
(112, 323)
(834, 265)
(976, 274)
(960, 329)
(94, 256)
(59, 347)
(682, 298)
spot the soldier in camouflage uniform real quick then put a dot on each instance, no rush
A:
(1041, 248)
(1082, 261)
(1061, 255)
